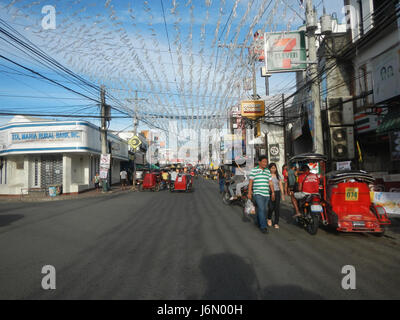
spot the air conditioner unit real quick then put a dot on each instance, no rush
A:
(339, 113)
(342, 143)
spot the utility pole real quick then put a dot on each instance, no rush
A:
(311, 22)
(104, 142)
(135, 126)
(284, 129)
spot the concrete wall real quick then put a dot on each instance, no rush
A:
(116, 167)
(16, 178)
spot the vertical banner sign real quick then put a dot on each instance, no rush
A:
(284, 51)
(274, 152)
(105, 162)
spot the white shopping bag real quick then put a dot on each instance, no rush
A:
(249, 207)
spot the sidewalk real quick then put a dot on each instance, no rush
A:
(88, 194)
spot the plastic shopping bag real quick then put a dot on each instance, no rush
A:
(249, 208)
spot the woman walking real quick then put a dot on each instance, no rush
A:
(274, 206)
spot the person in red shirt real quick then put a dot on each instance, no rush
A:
(308, 183)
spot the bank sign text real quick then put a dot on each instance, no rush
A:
(41, 136)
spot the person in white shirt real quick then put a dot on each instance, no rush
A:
(174, 174)
(123, 174)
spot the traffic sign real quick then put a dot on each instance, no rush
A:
(135, 142)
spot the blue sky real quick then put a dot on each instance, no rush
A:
(124, 45)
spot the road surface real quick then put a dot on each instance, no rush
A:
(132, 245)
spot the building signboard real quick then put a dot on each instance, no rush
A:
(18, 137)
(284, 51)
(253, 109)
(386, 75)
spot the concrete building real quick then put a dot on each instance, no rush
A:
(37, 153)
(374, 52)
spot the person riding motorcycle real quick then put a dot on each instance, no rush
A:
(165, 178)
(308, 184)
(240, 180)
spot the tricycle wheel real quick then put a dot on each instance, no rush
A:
(312, 228)
(225, 198)
(157, 188)
(140, 187)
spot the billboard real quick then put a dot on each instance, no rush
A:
(253, 109)
(284, 51)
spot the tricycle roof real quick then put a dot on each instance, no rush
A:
(337, 176)
(309, 156)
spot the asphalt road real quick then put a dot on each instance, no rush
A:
(182, 246)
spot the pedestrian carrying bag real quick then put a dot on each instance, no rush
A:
(249, 207)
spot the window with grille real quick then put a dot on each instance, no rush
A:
(36, 172)
(3, 171)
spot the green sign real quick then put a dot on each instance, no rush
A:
(285, 50)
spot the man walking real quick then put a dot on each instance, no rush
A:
(260, 185)
(124, 175)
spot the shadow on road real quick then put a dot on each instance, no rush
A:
(8, 219)
(230, 277)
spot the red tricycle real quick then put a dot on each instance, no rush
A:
(151, 181)
(343, 201)
(349, 206)
(183, 182)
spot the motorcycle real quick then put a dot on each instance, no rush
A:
(311, 208)
(241, 201)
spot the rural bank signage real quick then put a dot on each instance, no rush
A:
(45, 136)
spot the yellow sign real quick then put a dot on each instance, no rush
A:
(253, 109)
(351, 194)
(135, 142)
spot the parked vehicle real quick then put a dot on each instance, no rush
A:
(349, 206)
(139, 178)
(181, 183)
(151, 181)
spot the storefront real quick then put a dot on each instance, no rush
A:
(36, 154)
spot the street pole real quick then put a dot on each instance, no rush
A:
(104, 143)
(254, 79)
(313, 68)
(284, 129)
(134, 134)
(267, 85)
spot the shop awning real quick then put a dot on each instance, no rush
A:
(390, 122)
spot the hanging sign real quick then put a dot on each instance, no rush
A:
(274, 152)
(284, 51)
(135, 142)
(105, 161)
(253, 109)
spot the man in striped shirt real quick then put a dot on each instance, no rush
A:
(260, 186)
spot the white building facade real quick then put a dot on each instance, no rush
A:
(36, 154)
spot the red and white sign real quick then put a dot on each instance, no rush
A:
(286, 51)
